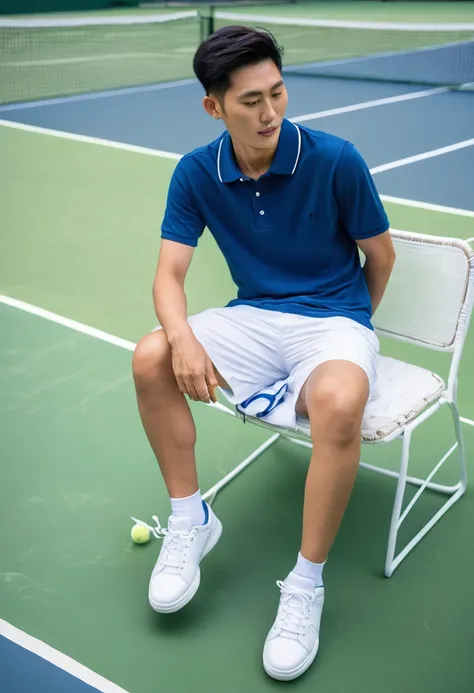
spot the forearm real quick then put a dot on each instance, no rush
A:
(170, 303)
(377, 275)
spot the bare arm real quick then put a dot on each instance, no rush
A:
(169, 297)
(380, 258)
(192, 366)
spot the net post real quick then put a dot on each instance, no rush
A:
(202, 27)
(207, 23)
(212, 23)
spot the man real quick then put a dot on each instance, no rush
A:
(289, 208)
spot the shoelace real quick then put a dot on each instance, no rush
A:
(175, 544)
(294, 610)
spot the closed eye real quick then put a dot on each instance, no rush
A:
(276, 95)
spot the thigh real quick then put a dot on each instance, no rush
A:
(332, 339)
(335, 392)
(243, 343)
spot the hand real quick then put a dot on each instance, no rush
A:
(193, 370)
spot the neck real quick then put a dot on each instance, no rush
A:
(253, 162)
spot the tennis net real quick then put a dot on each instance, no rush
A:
(430, 54)
(47, 58)
(44, 58)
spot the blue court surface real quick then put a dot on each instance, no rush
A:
(27, 671)
(385, 126)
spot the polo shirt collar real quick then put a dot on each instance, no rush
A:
(284, 162)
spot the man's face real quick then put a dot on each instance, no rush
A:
(254, 106)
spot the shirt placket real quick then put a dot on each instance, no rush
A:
(259, 206)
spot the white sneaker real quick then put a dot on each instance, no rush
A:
(292, 643)
(176, 576)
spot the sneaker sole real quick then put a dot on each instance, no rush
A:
(281, 675)
(194, 586)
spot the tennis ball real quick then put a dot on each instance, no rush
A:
(140, 534)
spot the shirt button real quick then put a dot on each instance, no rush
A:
(257, 194)
(262, 212)
(241, 180)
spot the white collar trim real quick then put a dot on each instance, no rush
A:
(298, 153)
(299, 148)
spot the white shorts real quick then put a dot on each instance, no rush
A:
(266, 356)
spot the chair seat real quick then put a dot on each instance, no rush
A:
(403, 392)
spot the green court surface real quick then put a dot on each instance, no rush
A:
(76, 465)
(420, 12)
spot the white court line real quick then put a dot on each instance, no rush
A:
(169, 85)
(83, 59)
(90, 140)
(86, 329)
(176, 157)
(66, 322)
(428, 205)
(86, 22)
(59, 659)
(368, 104)
(96, 95)
(424, 155)
(298, 23)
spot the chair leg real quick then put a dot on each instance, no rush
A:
(460, 440)
(456, 492)
(397, 505)
(211, 494)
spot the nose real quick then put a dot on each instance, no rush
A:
(268, 113)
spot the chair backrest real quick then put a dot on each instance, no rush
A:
(428, 300)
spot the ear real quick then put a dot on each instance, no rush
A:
(213, 107)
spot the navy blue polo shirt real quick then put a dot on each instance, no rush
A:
(289, 238)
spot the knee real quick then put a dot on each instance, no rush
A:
(151, 359)
(335, 416)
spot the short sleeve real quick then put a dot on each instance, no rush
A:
(361, 210)
(182, 221)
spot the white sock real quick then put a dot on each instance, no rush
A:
(191, 506)
(310, 571)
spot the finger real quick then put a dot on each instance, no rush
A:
(202, 389)
(184, 385)
(211, 382)
(192, 392)
(212, 392)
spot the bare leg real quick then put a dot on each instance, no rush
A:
(334, 398)
(170, 429)
(165, 414)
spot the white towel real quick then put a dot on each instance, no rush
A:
(274, 404)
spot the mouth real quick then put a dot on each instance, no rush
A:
(268, 132)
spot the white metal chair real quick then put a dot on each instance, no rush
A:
(428, 302)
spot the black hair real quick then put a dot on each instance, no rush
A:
(229, 49)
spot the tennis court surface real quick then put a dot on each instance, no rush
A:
(95, 111)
